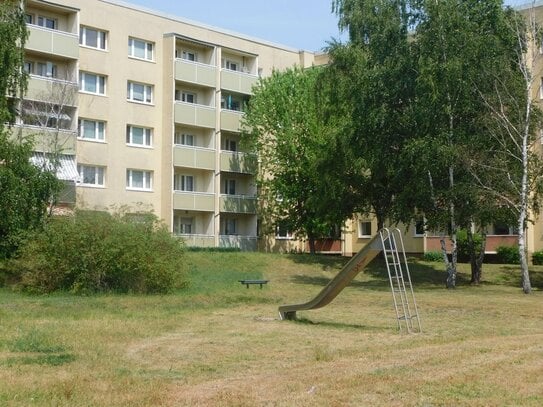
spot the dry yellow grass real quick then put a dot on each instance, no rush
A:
(481, 346)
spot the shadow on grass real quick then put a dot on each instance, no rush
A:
(326, 262)
(339, 325)
(375, 277)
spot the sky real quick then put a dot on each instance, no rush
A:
(299, 24)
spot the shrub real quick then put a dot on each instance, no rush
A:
(432, 256)
(507, 255)
(462, 243)
(97, 252)
(537, 257)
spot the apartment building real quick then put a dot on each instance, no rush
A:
(143, 109)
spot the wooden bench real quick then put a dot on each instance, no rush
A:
(248, 282)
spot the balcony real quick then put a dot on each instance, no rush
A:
(199, 201)
(54, 42)
(238, 81)
(194, 157)
(194, 240)
(241, 163)
(231, 120)
(194, 72)
(238, 204)
(245, 243)
(49, 140)
(52, 90)
(194, 115)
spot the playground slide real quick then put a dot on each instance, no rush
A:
(339, 282)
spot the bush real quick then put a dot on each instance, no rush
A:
(507, 255)
(463, 248)
(97, 252)
(537, 257)
(432, 256)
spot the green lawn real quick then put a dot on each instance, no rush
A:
(218, 343)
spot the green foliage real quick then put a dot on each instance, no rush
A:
(507, 255)
(98, 252)
(13, 36)
(433, 256)
(283, 125)
(463, 244)
(25, 190)
(537, 257)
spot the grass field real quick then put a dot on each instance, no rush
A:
(218, 343)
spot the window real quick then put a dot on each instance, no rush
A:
(183, 182)
(189, 56)
(29, 19)
(231, 65)
(419, 227)
(138, 136)
(230, 145)
(139, 179)
(91, 175)
(47, 69)
(503, 229)
(139, 92)
(231, 102)
(183, 226)
(230, 187)
(92, 130)
(187, 97)
(92, 83)
(282, 232)
(184, 139)
(93, 38)
(230, 226)
(140, 49)
(28, 67)
(364, 229)
(47, 22)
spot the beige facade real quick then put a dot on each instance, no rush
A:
(154, 120)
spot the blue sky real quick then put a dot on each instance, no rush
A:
(300, 24)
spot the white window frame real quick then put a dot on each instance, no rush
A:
(415, 224)
(189, 55)
(42, 22)
(99, 130)
(147, 134)
(230, 226)
(183, 223)
(147, 94)
(46, 69)
(184, 139)
(185, 183)
(286, 236)
(147, 180)
(230, 185)
(361, 227)
(230, 145)
(232, 65)
(99, 175)
(185, 95)
(101, 38)
(99, 81)
(148, 49)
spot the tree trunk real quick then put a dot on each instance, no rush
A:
(311, 240)
(525, 274)
(476, 259)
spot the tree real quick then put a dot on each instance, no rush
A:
(283, 126)
(24, 188)
(512, 172)
(457, 43)
(370, 81)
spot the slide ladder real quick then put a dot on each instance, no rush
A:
(400, 280)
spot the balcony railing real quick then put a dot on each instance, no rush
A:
(54, 42)
(246, 243)
(195, 72)
(238, 81)
(194, 157)
(52, 90)
(50, 140)
(199, 201)
(242, 163)
(230, 120)
(195, 115)
(197, 240)
(238, 204)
